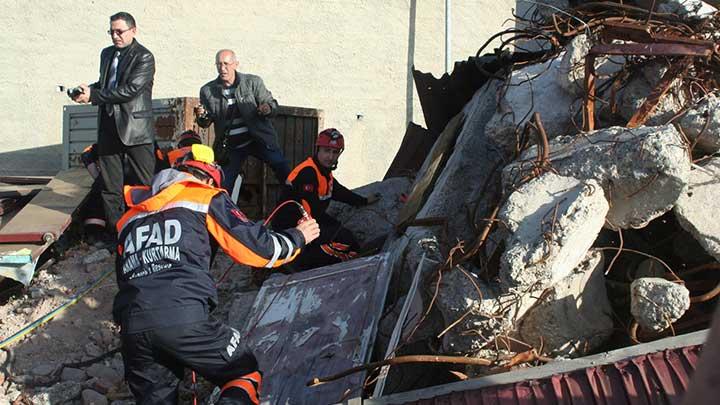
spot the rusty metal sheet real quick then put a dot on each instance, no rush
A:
(654, 49)
(641, 33)
(650, 373)
(317, 323)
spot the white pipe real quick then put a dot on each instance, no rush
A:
(447, 36)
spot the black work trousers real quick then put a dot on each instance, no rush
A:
(120, 165)
(155, 361)
(320, 252)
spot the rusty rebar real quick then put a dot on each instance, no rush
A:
(401, 360)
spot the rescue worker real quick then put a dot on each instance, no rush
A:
(311, 183)
(166, 292)
(167, 159)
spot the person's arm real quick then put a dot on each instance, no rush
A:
(263, 96)
(342, 194)
(247, 242)
(139, 78)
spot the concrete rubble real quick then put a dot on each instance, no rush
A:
(554, 236)
(552, 221)
(543, 229)
(643, 170)
(701, 124)
(657, 303)
(697, 208)
(580, 297)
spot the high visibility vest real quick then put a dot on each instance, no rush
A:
(193, 196)
(325, 185)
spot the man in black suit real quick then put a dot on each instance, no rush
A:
(123, 95)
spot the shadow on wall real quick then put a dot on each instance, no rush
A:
(40, 161)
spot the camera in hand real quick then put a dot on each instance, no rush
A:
(74, 92)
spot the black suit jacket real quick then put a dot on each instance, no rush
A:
(131, 99)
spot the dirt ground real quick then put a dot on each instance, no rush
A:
(34, 368)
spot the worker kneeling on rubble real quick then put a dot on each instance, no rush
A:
(166, 291)
(311, 184)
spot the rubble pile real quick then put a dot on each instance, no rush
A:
(574, 211)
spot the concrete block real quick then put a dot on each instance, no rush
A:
(655, 303)
(377, 220)
(698, 207)
(686, 8)
(534, 88)
(553, 220)
(571, 71)
(575, 316)
(642, 171)
(707, 112)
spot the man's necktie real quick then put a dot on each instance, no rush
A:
(112, 82)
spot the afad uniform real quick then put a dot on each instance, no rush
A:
(166, 291)
(313, 186)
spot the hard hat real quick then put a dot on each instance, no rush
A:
(330, 138)
(201, 157)
(188, 138)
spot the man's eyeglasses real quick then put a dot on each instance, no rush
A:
(118, 32)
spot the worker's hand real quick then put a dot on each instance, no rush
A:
(200, 110)
(309, 229)
(264, 109)
(372, 199)
(84, 97)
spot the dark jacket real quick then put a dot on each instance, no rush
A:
(131, 99)
(250, 93)
(164, 245)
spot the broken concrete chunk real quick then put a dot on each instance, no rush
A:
(553, 220)
(377, 220)
(707, 112)
(655, 303)
(574, 317)
(571, 71)
(642, 170)
(686, 8)
(697, 208)
(639, 87)
(534, 88)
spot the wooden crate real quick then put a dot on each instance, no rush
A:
(297, 129)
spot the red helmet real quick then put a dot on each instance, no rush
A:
(330, 138)
(188, 138)
(201, 157)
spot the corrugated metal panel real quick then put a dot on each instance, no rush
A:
(314, 324)
(653, 377)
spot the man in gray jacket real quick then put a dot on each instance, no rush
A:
(240, 107)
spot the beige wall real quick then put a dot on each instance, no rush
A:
(347, 57)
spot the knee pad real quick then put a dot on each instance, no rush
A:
(249, 384)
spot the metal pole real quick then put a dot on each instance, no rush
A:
(447, 36)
